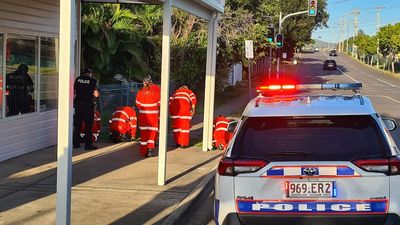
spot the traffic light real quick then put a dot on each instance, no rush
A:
(279, 40)
(312, 7)
(270, 34)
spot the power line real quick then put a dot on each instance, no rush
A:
(340, 1)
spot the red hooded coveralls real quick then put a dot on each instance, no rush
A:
(148, 104)
(221, 135)
(181, 105)
(96, 128)
(123, 121)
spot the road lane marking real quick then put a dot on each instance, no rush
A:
(348, 75)
(379, 85)
(384, 96)
(386, 82)
(368, 75)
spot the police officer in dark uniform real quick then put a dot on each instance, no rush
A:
(19, 86)
(85, 88)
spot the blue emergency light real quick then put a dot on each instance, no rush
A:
(337, 86)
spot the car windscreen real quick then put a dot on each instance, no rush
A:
(329, 138)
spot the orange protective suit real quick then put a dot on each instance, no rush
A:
(181, 107)
(123, 124)
(148, 104)
(221, 136)
(96, 128)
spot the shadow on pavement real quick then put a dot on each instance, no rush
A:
(153, 212)
(44, 183)
(172, 179)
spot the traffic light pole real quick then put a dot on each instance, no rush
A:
(279, 31)
(270, 62)
(270, 52)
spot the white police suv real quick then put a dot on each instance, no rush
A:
(310, 160)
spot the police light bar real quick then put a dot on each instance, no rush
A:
(339, 86)
(305, 87)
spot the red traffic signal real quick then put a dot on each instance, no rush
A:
(279, 40)
(312, 7)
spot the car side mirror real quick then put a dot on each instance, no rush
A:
(232, 126)
(390, 124)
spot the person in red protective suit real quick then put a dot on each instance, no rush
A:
(96, 128)
(148, 104)
(221, 136)
(181, 108)
(122, 125)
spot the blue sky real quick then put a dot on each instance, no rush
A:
(390, 14)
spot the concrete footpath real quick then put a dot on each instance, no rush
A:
(111, 185)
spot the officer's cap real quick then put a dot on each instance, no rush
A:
(87, 70)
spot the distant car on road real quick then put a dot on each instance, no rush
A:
(316, 49)
(307, 50)
(333, 52)
(330, 64)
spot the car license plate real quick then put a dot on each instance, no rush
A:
(310, 189)
(330, 65)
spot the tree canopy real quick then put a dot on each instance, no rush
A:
(126, 39)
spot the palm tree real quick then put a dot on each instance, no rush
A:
(111, 41)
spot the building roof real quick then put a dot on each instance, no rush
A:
(213, 5)
(309, 106)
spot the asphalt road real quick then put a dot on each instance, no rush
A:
(382, 89)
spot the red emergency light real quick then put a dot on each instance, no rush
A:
(276, 87)
(281, 86)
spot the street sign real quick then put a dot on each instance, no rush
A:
(312, 7)
(249, 49)
(284, 55)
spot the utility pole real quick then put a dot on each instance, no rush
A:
(341, 25)
(356, 12)
(347, 34)
(378, 24)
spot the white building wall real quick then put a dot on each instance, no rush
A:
(33, 131)
(33, 17)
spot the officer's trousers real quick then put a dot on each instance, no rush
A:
(83, 114)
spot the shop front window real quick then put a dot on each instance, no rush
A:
(21, 67)
(48, 73)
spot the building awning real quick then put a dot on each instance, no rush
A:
(201, 8)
